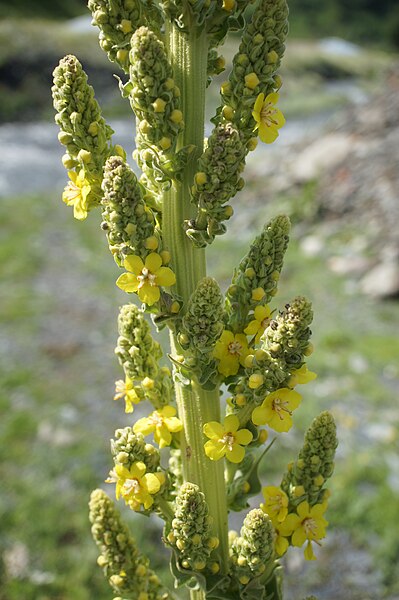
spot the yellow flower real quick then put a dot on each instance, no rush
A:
(309, 524)
(263, 316)
(276, 503)
(300, 376)
(231, 351)
(226, 440)
(162, 423)
(125, 389)
(75, 194)
(268, 118)
(276, 409)
(145, 278)
(135, 485)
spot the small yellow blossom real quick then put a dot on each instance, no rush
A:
(309, 524)
(162, 423)
(268, 118)
(301, 376)
(280, 543)
(276, 409)
(75, 194)
(263, 316)
(125, 389)
(276, 503)
(145, 278)
(231, 350)
(135, 485)
(226, 440)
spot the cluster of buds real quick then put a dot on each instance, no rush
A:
(139, 356)
(157, 226)
(126, 569)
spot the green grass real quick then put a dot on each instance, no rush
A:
(58, 318)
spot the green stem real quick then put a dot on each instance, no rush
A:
(188, 54)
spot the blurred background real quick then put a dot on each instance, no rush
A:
(334, 170)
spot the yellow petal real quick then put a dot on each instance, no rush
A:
(167, 411)
(236, 454)
(134, 264)
(252, 328)
(127, 282)
(281, 545)
(149, 294)
(144, 426)
(213, 429)
(173, 424)
(259, 103)
(308, 552)
(244, 437)
(152, 483)
(165, 277)
(279, 117)
(298, 537)
(231, 423)
(259, 415)
(153, 262)
(272, 98)
(214, 450)
(262, 312)
(137, 470)
(267, 134)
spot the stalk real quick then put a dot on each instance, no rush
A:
(188, 55)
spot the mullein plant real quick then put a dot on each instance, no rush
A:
(205, 453)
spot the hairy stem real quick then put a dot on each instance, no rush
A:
(188, 54)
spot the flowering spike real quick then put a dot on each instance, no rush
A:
(117, 20)
(155, 100)
(84, 133)
(306, 477)
(139, 353)
(287, 337)
(252, 553)
(127, 222)
(125, 568)
(256, 62)
(217, 180)
(255, 280)
(201, 328)
(190, 534)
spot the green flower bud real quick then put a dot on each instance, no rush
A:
(287, 337)
(315, 462)
(202, 326)
(127, 570)
(138, 354)
(127, 222)
(255, 280)
(131, 448)
(252, 553)
(220, 167)
(117, 20)
(191, 533)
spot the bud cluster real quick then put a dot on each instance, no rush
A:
(201, 327)
(306, 477)
(287, 337)
(252, 553)
(190, 534)
(218, 179)
(256, 63)
(155, 100)
(129, 447)
(255, 280)
(128, 223)
(125, 568)
(117, 20)
(138, 354)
